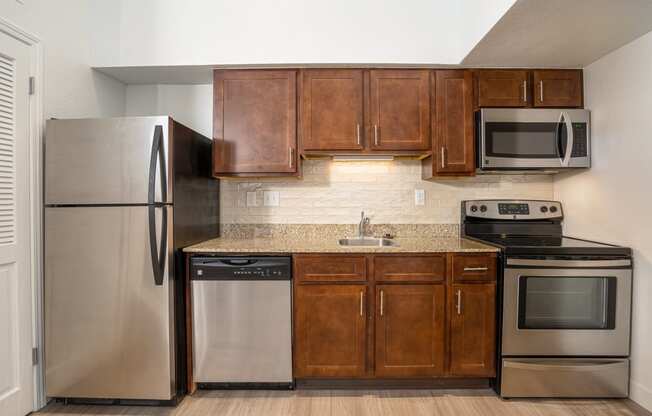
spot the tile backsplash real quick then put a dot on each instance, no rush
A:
(335, 193)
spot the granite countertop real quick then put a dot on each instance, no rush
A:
(319, 239)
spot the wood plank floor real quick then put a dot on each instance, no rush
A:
(357, 403)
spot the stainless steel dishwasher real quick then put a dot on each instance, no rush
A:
(242, 322)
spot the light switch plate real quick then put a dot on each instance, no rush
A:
(419, 197)
(271, 198)
(251, 199)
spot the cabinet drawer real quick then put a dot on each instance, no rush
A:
(321, 268)
(474, 267)
(410, 268)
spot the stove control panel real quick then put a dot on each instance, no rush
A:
(504, 209)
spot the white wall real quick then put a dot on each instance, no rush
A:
(191, 105)
(74, 33)
(611, 201)
(172, 32)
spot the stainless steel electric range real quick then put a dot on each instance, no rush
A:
(564, 303)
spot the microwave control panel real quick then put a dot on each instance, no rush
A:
(579, 140)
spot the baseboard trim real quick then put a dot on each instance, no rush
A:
(640, 395)
(429, 383)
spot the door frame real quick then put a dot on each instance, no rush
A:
(35, 192)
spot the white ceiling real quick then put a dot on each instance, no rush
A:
(561, 33)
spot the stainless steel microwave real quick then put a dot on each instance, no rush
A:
(524, 139)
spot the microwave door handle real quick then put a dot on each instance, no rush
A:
(569, 142)
(558, 135)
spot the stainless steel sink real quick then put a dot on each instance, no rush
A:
(367, 242)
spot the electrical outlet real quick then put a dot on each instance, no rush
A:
(271, 198)
(251, 199)
(419, 197)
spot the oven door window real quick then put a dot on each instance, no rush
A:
(548, 302)
(525, 140)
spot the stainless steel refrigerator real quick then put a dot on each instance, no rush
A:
(122, 197)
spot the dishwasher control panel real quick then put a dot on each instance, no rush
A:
(241, 268)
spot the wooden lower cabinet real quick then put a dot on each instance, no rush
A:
(384, 316)
(473, 330)
(330, 330)
(410, 330)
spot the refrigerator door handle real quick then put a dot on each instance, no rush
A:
(158, 251)
(157, 154)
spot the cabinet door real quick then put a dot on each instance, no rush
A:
(330, 330)
(558, 88)
(473, 330)
(410, 330)
(254, 123)
(503, 88)
(332, 109)
(454, 150)
(399, 109)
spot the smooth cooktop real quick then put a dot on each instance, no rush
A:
(560, 245)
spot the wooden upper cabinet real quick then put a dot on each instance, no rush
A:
(330, 330)
(399, 109)
(410, 330)
(558, 88)
(453, 122)
(473, 330)
(254, 123)
(332, 109)
(503, 88)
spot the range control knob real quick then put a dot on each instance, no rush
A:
(483, 208)
(544, 209)
(474, 208)
(553, 209)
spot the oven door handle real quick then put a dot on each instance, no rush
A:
(573, 366)
(570, 263)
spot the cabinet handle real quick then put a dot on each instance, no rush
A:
(541, 90)
(443, 157)
(525, 91)
(459, 302)
(361, 303)
(376, 134)
(476, 269)
(357, 130)
(382, 303)
(291, 157)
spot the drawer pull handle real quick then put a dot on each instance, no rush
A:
(476, 269)
(382, 303)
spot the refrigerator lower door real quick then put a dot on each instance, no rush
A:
(108, 161)
(108, 326)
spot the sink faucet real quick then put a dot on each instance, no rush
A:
(363, 221)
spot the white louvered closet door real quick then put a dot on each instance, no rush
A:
(16, 370)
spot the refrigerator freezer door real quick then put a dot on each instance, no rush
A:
(106, 161)
(108, 326)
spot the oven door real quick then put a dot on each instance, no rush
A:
(566, 308)
(533, 139)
